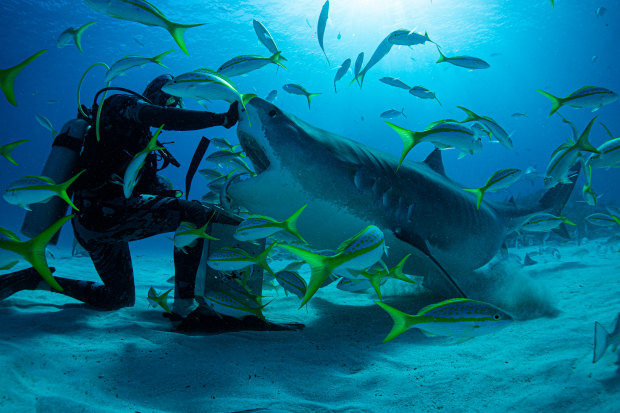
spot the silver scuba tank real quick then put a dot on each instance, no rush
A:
(61, 165)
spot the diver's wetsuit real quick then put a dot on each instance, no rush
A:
(107, 221)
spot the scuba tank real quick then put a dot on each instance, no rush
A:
(62, 164)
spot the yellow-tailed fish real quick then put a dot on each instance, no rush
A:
(443, 135)
(134, 169)
(585, 97)
(603, 220)
(243, 64)
(320, 27)
(227, 304)
(33, 250)
(468, 62)
(357, 286)
(224, 144)
(566, 156)
(206, 84)
(603, 339)
(423, 93)
(234, 259)
(7, 150)
(296, 89)
(122, 65)
(499, 180)
(589, 196)
(37, 189)
(45, 122)
(74, 35)
(491, 124)
(342, 70)
(264, 36)
(257, 227)
(7, 77)
(292, 282)
(142, 11)
(357, 253)
(187, 234)
(544, 222)
(161, 300)
(458, 317)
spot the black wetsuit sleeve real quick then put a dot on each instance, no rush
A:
(176, 119)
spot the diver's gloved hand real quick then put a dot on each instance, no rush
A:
(232, 116)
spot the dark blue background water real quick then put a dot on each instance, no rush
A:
(529, 44)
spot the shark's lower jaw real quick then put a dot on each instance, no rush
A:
(254, 151)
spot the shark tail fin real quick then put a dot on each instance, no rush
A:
(78, 35)
(6, 151)
(319, 266)
(33, 251)
(177, 31)
(7, 77)
(601, 341)
(402, 321)
(479, 192)
(556, 102)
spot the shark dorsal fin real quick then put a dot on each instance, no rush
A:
(435, 162)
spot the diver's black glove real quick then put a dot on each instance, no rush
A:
(232, 116)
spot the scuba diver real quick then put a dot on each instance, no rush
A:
(107, 221)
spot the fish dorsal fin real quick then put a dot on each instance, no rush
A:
(435, 162)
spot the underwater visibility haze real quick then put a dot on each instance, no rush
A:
(511, 105)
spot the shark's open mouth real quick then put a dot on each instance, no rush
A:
(254, 151)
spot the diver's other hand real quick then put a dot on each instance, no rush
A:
(232, 116)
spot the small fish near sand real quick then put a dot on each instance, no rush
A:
(603, 339)
(160, 300)
(459, 317)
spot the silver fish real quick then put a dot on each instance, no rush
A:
(341, 72)
(320, 28)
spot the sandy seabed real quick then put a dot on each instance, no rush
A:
(59, 356)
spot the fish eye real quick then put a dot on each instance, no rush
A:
(496, 317)
(272, 113)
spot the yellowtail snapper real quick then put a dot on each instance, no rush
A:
(491, 124)
(468, 62)
(38, 189)
(72, 34)
(235, 259)
(122, 65)
(257, 227)
(7, 77)
(141, 11)
(296, 89)
(458, 317)
(243, 64)
(586, 97)
(7, 150)
(160, 300)
(499, 180)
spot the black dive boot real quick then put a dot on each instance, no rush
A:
(11, 283)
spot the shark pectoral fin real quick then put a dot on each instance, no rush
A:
(416, 241)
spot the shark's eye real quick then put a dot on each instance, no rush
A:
(272, 113)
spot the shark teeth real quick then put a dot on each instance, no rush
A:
(255, 152)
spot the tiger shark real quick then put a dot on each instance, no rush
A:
(348, 186)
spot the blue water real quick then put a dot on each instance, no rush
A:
(529, 45)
